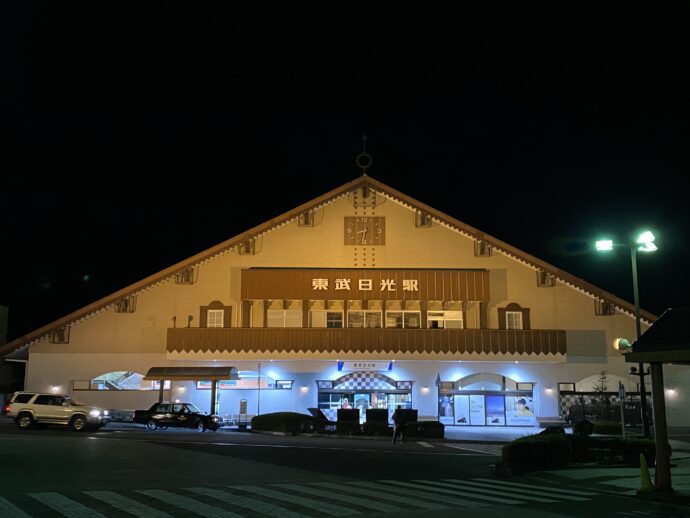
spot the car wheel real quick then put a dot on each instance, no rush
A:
(201, 426)
(79, 423)
(151, 425)
(25, 421)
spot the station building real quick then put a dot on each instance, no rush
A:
(363, 297)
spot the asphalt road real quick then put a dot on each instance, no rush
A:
(53, 472)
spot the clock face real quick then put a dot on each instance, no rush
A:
(365, 230)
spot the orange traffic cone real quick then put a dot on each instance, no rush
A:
(645, 481)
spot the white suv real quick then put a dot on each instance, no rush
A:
(30, 408)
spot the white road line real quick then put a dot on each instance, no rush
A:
(65, 506)
(127, 505)
(528, 486)
(462, 484)
(323, 507)
(464, 494)
(188, 504)
(376, 506)
(520, 491)
(9, 510)
(255, 504)
(362, 491)
(459, 502)
(425, 444)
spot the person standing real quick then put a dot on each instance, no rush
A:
(398, 424)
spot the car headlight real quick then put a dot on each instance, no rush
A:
(105, 412)
(95, 413)
(215, 419)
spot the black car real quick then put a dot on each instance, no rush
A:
(179, 415)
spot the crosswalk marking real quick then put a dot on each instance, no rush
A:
(425, 444)
(376, 506)
(521, 492)
(127, 505)
(466, 485)
(461, 447)
(188, 504)
(65, 506)
(331, 509)
(527, 486)
(361, 491)
(10, 510)
(346, 498)
(250, 503)
(419, 494)
(456, 492)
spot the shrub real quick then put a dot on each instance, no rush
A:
(287, 422)
(607, 427)
(424, 429)
(377, 428)
(553, 430)
(379, 415)
(583, 428)
(627, 450)
(538, 451)
(348, 428)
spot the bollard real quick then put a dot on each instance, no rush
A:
(645, 481)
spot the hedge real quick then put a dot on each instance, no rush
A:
(607, 427)
(424, 429)
(538, 451)
(286, 422)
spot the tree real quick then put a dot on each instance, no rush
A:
(601, 386)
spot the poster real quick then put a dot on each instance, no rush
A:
(495, 410)
(462, 410)
(445, 409)
(477, 415)
(520, 411)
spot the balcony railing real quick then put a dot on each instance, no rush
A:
(390, 341)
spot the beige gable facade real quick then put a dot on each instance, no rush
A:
(445, 303)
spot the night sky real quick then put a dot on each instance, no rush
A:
(136, 136)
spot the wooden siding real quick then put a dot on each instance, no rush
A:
(451, 341)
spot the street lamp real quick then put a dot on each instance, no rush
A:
(643, 243)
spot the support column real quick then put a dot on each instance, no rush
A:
(483, 315)
(662, 480)
(214, 388)
(160, 390)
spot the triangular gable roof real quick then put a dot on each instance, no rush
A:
(668, 340)
(318, 202)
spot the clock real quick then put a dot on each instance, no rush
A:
(365, 230)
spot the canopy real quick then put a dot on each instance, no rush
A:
(666, 341)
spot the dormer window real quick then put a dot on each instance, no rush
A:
(306, 218)
(247, 247)
(422, 219)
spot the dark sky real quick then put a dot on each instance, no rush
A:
(136, 136)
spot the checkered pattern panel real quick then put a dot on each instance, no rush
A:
(364, 381)
(570, 399)
(324, 384)
(405, 385)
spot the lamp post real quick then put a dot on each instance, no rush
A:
(644, 243)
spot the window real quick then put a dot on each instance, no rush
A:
(22, 398)
(513, 319)
(306, 218)
(284, 384)
(186, 276)
(247, 247)
(329, 319)
(566, 387)
(482, 248)
(422, 219)
(49, 400)
(359, 319)
(604, 308)
(60, 336)
(444, 320)
(525, 386)
(126, 304)
(545, 279)
(215, 317)
(284, 318)
(404, 319)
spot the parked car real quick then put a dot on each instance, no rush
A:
(34, 408)
(179, 415)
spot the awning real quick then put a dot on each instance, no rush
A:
(666, 341)
(192, 373)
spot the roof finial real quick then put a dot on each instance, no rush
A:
(364, 160)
